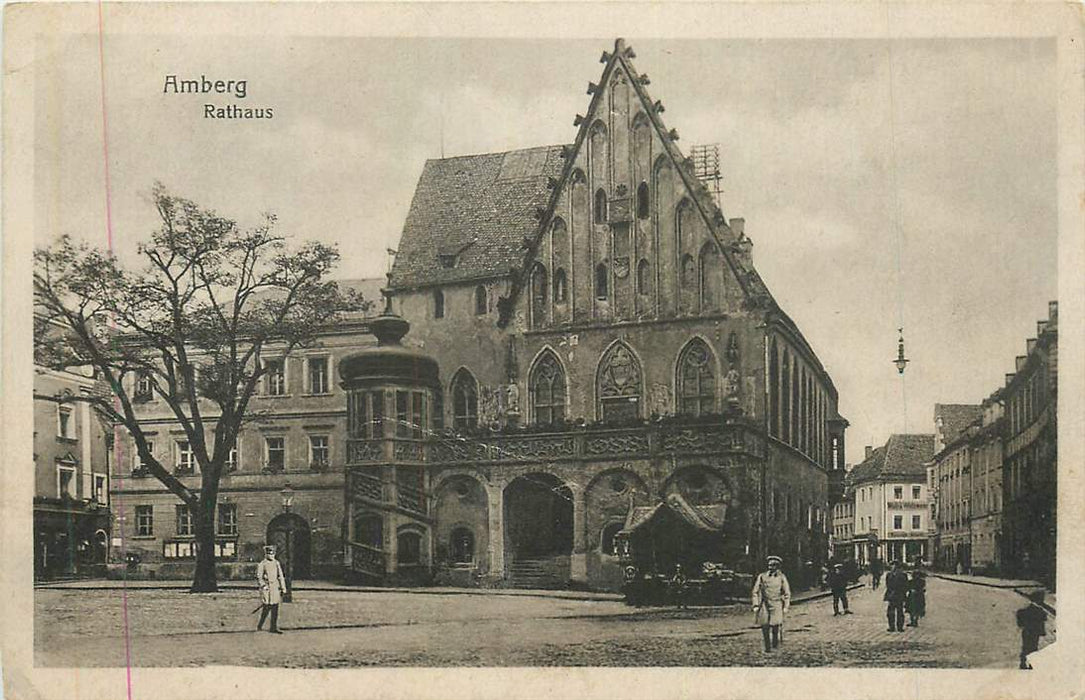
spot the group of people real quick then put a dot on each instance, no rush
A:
(771, 597)
(904, 591)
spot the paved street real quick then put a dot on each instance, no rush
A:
(967, 626)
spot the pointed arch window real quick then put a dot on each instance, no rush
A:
(464, 400)
(548, 390)
(601, 281)
(438, 304)
(785, 396)
(644, 277)
(481, 305)
(689, 273)
(559, 236)
(561, 290)
(539, 295)
(600, 206)
(642, 201)
(711, 277)
(618, 385)
(696, 379)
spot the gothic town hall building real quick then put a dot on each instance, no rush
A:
(577, 348)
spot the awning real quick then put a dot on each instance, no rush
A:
(706, 518)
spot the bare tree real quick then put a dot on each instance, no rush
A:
(197, 326)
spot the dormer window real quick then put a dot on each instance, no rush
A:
(448, 261)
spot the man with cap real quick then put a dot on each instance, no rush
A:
(272, 583)
(838, 584)
(771, 600)
(1031, 619)
(896, 592)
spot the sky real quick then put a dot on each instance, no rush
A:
(885, 184)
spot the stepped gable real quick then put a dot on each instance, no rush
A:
(621, 60)
(477, 209)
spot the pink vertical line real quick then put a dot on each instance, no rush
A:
(116, 443)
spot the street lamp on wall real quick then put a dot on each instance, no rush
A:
(287, 494)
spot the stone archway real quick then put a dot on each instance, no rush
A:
(291, 536)
(538, 517)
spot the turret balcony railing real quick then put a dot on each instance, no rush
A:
(646, 440)
(367, 559)
(411, 498)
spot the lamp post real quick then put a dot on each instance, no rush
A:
(287, 494)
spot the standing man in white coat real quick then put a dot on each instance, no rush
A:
(771, 600)
(272, 583)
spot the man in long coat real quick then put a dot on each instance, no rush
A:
(272, 583)
(896, 591)
(771, 599)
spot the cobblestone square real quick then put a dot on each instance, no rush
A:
(967, 626)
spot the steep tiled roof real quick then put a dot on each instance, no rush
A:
(478, 208)
(901, 456)
(955, 418)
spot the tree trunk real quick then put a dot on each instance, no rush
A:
(205, 580)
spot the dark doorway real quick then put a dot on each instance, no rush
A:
(290, 535)
(538, 516)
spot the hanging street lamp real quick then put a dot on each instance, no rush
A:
(901, 362)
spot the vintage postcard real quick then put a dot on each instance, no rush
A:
(493, 350)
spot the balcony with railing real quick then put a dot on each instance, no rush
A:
(582, 442)
(366, 559)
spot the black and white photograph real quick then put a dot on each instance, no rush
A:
(423, 339)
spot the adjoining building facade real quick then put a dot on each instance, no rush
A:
(953, 484)
(72, 523)
(603, 342)
(842, 535)
(892, 500)
(1030, 457)
(986, 439)
(283, 483)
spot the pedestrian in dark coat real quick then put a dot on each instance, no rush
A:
(838, 584)
(916, 602)
(875, 573)
(1031, 619)
(896, 590)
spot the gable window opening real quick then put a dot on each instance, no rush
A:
(642, 201)
(481, 302)
(601, 282)
(561, 294)
(600, 206)
(318, 375)
(143, 386)
(438, 304)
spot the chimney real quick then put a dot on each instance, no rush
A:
(1021, 360)
(1052, 310)
(1009, 378)
(1040, 326)
(869, 451)
(738, 227)
(1030, 345)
